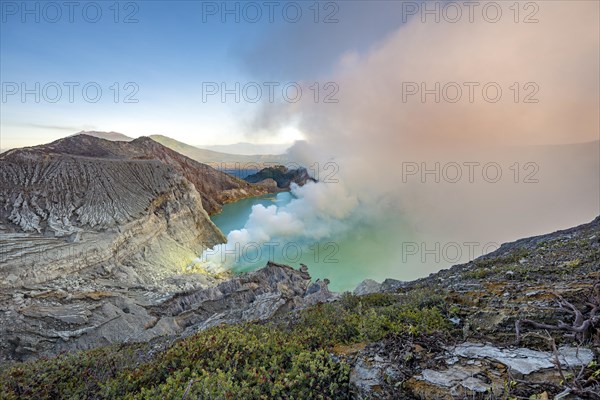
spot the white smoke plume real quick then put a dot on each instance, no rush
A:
(372, 131)
(378, 133)
(309, 216)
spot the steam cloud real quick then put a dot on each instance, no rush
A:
(310, 216)
(377, 130)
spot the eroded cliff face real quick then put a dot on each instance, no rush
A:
(62, 214)
(77, 227)
(97, 239)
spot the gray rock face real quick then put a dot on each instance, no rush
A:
(467, 370)
(260, 295)
(279, 178)
(63, 214)
(368, 286)
(470, 367)
(368, 376)
(45, 319)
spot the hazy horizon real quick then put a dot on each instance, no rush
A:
(173, 95)
(261, 148)
(285, 146)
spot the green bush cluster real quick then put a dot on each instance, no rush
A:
(247, 361)
(68, 376)
(367, 319)
(290, 359)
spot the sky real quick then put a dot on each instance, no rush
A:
(192, 70)
(152, 62)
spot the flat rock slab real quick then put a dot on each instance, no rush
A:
(71, 313)
(523, 360)
(467, 375)
(455, 377)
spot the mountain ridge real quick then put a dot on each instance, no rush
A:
(216, 159)
(221, 160)
(215, 187)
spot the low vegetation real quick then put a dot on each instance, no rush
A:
(293, 358)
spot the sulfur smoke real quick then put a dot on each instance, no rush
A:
(433, 161)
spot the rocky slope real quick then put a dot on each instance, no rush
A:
(215, 187)
(85, 311)
(91, 227)
(526, 322)
(61, 214)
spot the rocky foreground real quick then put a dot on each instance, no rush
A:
(520, 323)
(85, 312)
(526, 324)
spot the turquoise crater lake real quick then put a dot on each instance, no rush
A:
(366, 250)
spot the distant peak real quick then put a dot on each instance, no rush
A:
(113, 136)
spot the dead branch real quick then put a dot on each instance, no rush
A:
(583, 325)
